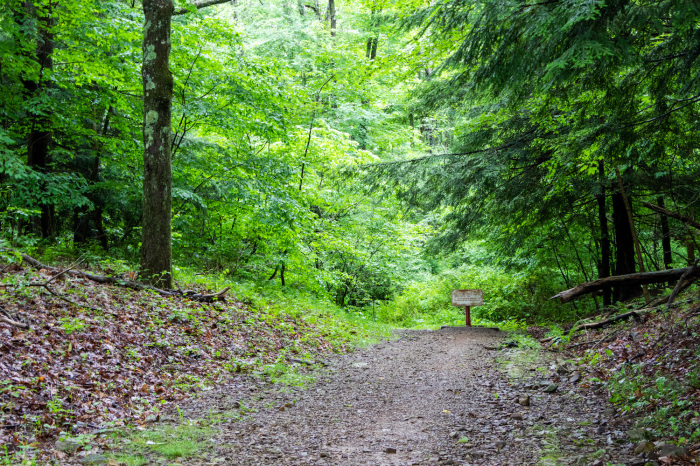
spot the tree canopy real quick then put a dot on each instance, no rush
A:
(352, 149)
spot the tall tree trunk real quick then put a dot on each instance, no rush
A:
(624, 249)
(633, 230)
(604, 264)
(87, 224)
(331, 14)
(372, 43)
(690, 250)
(665, 237)
(156, 252)
(40, 135)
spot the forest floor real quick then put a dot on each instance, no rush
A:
(451, 396)
(111, 376)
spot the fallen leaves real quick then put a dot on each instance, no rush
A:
(127, 352)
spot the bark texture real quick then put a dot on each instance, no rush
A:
(604, 265)
(156, 253)
(665, 236)
(331, 15)
(624, 250)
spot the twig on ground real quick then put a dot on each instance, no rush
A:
(86, 306)
(14, 323)
(603, 323)
(691, 315)
(11, 320)
(582, 344)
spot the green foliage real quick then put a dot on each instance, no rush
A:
(506, 298)
(72, 324)
(354, 166)
(544, 102)
(664, 400)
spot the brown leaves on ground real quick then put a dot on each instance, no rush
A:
(78, 369)
(659, 357)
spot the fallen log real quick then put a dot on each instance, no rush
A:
(686, 277)
(610, 321)
(664, 299)
(98, 278)
(622, 280)
(207, 298)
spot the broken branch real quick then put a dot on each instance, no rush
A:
(692, 271)
(669, 213)
(14, 323)
(603, 323)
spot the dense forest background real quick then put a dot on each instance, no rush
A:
(376, 154)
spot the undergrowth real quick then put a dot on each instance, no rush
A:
(651, 370)
(509, 300)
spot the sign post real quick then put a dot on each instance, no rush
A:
(467, 298)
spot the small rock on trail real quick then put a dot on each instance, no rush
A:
(430, 397)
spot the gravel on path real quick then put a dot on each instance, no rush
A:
(429, 397)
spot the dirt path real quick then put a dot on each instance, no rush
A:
(427, 398)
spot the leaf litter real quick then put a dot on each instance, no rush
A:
(114, 357)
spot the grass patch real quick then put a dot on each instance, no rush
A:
(285, 374)
(130, 460)
(181, 441)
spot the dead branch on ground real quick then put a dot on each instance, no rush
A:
(202, 297)
(604, 323)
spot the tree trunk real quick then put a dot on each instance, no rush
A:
(40, 135)
(604, 264)
(624, 250)
(331, 14)
(372, 44)
(665, 236)
(633, 230)
(690, 250)
(156, 253)
(87, 224)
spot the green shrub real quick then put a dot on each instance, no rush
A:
(507, 297)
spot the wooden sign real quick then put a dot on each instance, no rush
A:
(468, 297)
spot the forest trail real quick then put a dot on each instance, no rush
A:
(430, 397)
